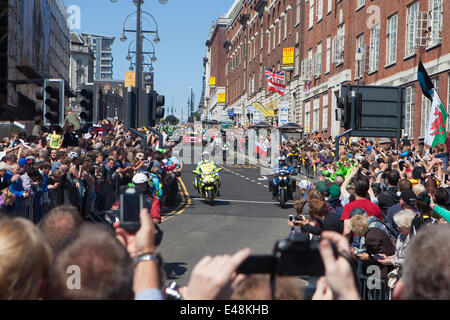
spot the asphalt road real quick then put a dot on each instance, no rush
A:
(244, 216)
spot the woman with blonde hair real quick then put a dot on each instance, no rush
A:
(25, 258)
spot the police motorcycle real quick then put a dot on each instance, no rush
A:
(282, 185)
(207, 179)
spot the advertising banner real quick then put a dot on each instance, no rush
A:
(212, 82)
(283, 110)
(288, 59)
(221, 98)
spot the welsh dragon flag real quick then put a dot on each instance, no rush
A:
(436, 132)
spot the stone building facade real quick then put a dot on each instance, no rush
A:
(335, 42)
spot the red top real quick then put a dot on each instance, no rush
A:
(367, 205)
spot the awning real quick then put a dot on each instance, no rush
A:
(272, 105)
(266, 111)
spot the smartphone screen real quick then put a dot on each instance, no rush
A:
(131, 203)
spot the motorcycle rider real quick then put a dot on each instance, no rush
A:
(142, 181)
(282, 166)
(206, 160)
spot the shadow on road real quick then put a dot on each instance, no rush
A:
(174, 270)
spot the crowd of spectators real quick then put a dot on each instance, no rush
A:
(384, 206)
(91, 163)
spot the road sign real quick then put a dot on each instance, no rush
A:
(130, 79)
(375, 111)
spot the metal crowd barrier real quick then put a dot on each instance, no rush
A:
(309, 171)
(30, 210)
(370, 288)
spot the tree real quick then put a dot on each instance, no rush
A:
(172, 120)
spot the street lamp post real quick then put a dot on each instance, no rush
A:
(139, 66)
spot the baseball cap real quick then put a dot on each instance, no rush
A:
(409, 197)
(335, 191)
(357, 211)
(22, 162)
(322, 187)
(304, 184)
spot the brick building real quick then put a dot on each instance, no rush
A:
(214, 63)
(335, 42)
(346, 41)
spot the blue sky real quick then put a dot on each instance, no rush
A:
(183, 29)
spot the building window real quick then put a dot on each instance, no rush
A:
(435, 15)
(409, 111)
(285, 25)
(262, 38)
(339, 45)
(412, 23)
(361, 3)
(359, 56)
(391, 40)
(374, 48)
(279, 31)
(274, 37)
(328, 64)
(426, 107)
(298, 12)
(307, 122)
(330, 6)
(311, 14)
(268, 41)
(297, 59)
(260, 75)
(325, 112)
(318, 61)
(316, 109)
(319, 10)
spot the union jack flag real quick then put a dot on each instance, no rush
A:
(274, 76)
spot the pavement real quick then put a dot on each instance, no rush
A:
(244, 216)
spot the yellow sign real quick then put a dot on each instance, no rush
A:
(266, 111)
(221, 98)
(288, 58)
(212, 82)
(130, 79)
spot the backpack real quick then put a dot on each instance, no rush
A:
(386, 227)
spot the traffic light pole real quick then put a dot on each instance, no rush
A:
(338, 137)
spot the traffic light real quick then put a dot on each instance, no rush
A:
(158, 103)
(39, 104)
(53, 97)
(89, 103)
(344, 108)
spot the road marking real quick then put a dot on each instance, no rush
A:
(238, 201)
(185, 203)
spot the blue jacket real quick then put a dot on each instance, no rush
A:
(17, 188)
(43, 185)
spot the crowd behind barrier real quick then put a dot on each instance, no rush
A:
(381, 207)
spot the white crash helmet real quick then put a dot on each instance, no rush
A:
(72, 155)
(205, 155)
(140, 178)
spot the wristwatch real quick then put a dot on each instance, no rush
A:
(147, 257)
